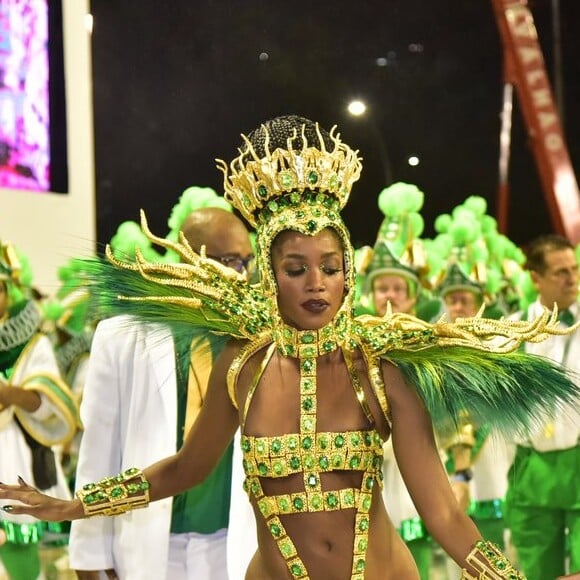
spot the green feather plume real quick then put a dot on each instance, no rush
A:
(511, 392)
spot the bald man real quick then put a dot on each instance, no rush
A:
(139, 400)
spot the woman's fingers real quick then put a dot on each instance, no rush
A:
(23, 493)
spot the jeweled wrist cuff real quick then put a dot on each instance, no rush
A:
(490, 564)
(115, 495)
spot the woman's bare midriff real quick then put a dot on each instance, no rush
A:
(325, 546)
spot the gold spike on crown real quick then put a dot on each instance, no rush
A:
(252, 183)
(10, 267)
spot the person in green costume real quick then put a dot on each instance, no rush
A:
(153, 389)
(543, 497)
(37, 411)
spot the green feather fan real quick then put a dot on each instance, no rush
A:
(510, 392)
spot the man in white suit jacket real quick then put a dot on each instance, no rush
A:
(131, 415)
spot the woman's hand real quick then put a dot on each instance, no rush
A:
(36, 504)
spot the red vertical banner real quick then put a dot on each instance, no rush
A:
(528, 72)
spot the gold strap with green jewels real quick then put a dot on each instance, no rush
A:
(115, 495)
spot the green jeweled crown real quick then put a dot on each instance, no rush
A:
(252, 183)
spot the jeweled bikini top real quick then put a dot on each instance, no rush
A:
(312, 453)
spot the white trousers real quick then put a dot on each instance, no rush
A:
(195, 556)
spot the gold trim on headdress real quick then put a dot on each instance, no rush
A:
(251, 183)
(10, 266)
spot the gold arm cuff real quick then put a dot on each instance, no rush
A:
(115, 495)
(489, 564)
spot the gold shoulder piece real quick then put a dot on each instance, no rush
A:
(242, 357)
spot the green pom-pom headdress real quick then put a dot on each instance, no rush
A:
(71, 309)
(398, 249)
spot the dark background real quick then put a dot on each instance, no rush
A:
(176, 82)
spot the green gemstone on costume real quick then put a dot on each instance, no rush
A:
(260, 447)
(349, 498)
(308, 351)
(355, 439)
(284, 504)
(323, 442)
(367, 503)
(307, 365)
(90, 498)
(296, 570)
(307, 405)
(117, 492)
(131, 471)
(308, 424)
(363, 525)
(328, 346)
(275, 530)
(337, 461)
(354, 461)
(360, 565)
(309, 461)
(323, 462)
(333, 182)
(278, 468)
(292, 443)
(262, 469)
(286, 548)
(307, 338)
(295, 198)
(294, 462)
(339, 441)
(307, 384)
(286, 179)
(273, 206)
(362, 544)
(311, 225)
(263, 507)
(262, 191)
(369, 483)
(298, 503)
(316, 502)
(312, 177)
(332, 500)
(276, 445)
(307, 443)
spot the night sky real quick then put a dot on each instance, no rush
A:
(176, 82)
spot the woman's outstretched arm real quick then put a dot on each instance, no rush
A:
(204, 446)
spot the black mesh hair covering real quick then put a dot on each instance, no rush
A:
(280, 128)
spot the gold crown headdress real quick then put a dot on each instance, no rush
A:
(293, 175)
(253, 183)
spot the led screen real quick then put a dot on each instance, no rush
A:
(25, 151)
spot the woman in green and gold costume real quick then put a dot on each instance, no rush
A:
(315, 390)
